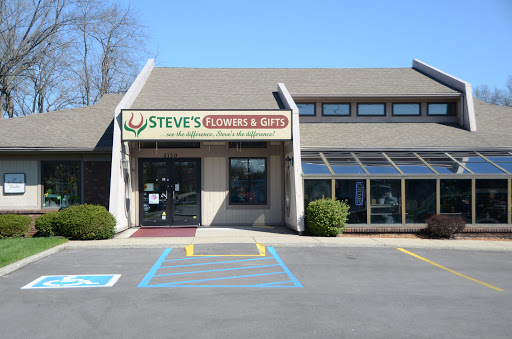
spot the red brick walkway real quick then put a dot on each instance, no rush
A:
(165, 232)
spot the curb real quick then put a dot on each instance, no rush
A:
(373, 244)
(23, 262)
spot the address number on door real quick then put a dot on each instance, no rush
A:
(170, 155)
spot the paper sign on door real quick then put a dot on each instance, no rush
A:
(153, 198)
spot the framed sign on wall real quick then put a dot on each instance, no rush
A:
(14, 183)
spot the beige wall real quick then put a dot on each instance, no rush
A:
(31, 198)
(215, 208)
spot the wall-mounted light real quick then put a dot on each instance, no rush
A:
(125, 164)
(289, 161)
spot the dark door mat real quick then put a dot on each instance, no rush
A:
(163, 232)
(226, 249)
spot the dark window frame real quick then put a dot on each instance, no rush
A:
(374, 104)
(170, 144)
(265, 202)
(337, 115)
(80, 186)
(247, 144)
(405, 103)
(451, 112)
(308, 103)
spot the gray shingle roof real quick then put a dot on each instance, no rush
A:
(86, 128)
(252, 88)
(90, 128)
(494, 125)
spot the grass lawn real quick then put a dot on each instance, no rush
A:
(12, 250)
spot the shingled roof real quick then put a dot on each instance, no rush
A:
(86, 128)
(494, 126)
(254, 88)
(90, 128)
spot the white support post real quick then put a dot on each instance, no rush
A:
(120, 183)
(296, 217)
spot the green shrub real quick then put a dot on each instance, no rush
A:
(327, 217)
(85, 222)
(14, 226)
(46, 224)
(444, 226)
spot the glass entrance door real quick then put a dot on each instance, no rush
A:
(170, 192)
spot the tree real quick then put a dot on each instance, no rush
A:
(27, 30)
(110, 49)
(48, 85)
(57, 54)
(496, 96)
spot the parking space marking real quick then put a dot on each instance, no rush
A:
(177, 265)
(190, 252)
(451, 271)
(74, 281)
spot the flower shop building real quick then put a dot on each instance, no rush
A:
(233, 147)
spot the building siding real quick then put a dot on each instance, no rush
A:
(96, 182)
(215, 202)
(28, 200)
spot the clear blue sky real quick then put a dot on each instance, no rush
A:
(470, 39)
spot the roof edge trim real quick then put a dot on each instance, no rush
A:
(469, 111)
(394, 95)
(404, 149)
(53, 149)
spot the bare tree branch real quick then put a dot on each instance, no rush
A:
(57, 54)
(496, 96)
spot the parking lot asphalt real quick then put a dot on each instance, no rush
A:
(348, 292)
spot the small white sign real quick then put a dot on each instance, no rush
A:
(149, 187)
(154, 198)
(14, 183)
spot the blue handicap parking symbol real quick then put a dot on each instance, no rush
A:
(73, 281)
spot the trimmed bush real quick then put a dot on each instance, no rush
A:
(327, 217)
(444, 226)
(14, 226)
(46, 224)
(85, 222)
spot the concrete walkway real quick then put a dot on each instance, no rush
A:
(276, 236)
(279, 236)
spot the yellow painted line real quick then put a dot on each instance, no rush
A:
(190, 252)
(450, 270)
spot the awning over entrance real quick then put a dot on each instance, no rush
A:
(343, 163)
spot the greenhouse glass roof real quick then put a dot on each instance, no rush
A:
(341, 163)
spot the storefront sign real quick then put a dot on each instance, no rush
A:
(14, 183)
(183, 125)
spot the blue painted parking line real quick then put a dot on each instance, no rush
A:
(271, 273)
